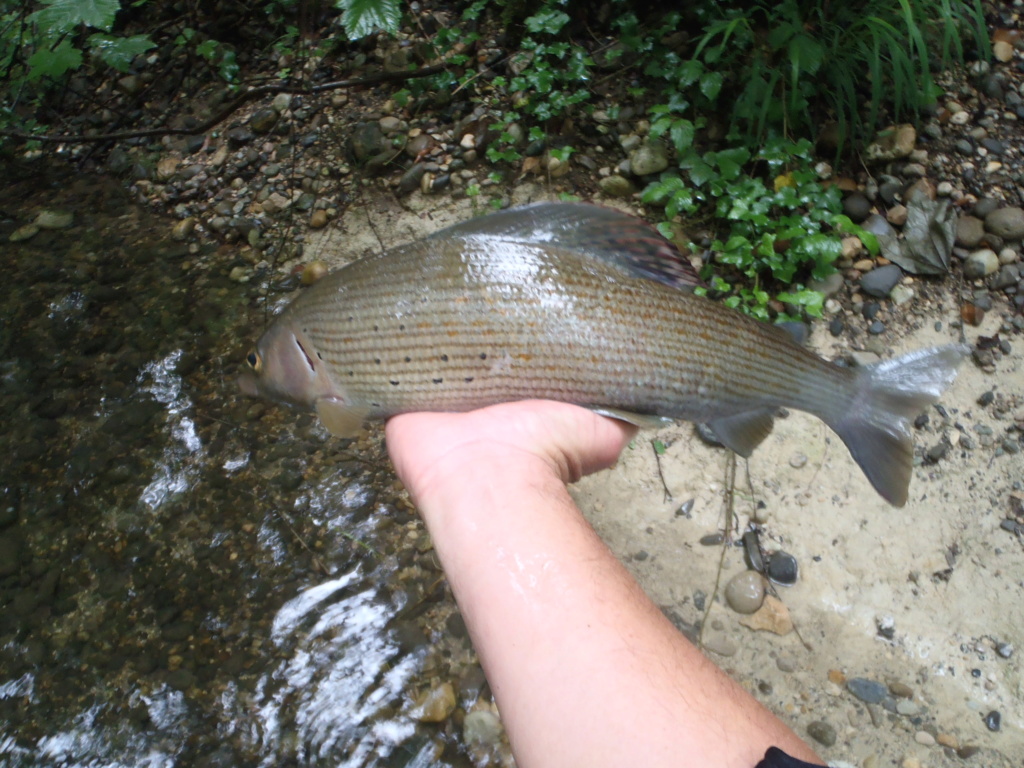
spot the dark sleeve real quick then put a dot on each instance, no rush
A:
(776, 758)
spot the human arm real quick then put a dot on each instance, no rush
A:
(585, 668)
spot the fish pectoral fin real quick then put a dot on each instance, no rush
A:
(341, 420)
(743, 432)
(642, 420)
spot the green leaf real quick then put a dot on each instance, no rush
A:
(60, 16)
(54, 62)
(364, 17)
(711, 84)
(682, 135)
(659, 447)
(118, 52)
(549, 21)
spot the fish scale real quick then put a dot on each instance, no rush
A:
(528, 305)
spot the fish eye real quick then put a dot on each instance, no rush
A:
(254, 360)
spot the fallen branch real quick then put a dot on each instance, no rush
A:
(230, 109)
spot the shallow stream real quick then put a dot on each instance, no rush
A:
(187, 577)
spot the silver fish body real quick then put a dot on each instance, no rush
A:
(469, 318)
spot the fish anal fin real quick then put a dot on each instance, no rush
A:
(743, 432)
(339, 419)
(642, 420)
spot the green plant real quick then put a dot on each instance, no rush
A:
(780, 225)
(787, 67)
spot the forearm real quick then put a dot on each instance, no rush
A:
(585, 668)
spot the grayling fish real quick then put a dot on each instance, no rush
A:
(583, 304)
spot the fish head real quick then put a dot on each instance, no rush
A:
(285, 366)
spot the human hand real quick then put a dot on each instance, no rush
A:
(568, 440)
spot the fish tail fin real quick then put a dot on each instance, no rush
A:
(876, 425)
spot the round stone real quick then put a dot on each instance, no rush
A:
(857, 206)
(1006, 222)
(970, 231)
(868, 691)
(981, 263)
(745, 592)
(822, 732)
(879, 282)
(783, 568)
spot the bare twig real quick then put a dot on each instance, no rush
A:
(255, 93)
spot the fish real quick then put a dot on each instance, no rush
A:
(582, 304)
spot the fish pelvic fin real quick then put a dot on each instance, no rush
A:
(876, 427)
(642, 420)
(341, 420)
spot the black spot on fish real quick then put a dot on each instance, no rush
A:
(408, 359)
(376, 360)
(438, 381)
(376, 328)
(401, 327)
(394, 383)
(444, 358)
(351, 373)
(483, 355)
(375, 405)
(320, 354)
(469, 379)
(350, 318)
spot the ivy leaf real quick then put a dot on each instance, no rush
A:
(547, 21)
(54, 62)
(60, 16)
(711, 84)
(364, 17)
(118, 52)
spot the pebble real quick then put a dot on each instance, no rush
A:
(970, 231)
(313, 271)
(745, 592)
(880, 282)
(924, 739)
(319, 219)
(783, 568)
(993, 720)
(981, 264)
(900, 690)
(481, 728)
(48, 219)
(263, 120)
(911, 762)
(24, 232)
(650, 157)
(857, 206)
(947, 740)
(907, 707)
(829, 285)
(617, 186)
(897, 215)
(785, 663)
(822, 732)
(876, 328)
(435, 705)
(720, 644)
(868, 691)
(1006, 222)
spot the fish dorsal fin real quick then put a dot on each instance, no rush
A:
(743, 432)
(604, 233)
(341, 420)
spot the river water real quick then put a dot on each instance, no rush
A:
(187, 577)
